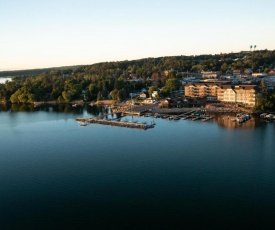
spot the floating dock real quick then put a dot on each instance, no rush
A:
(116, 123)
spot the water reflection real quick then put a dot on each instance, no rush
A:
(60, 108)
(223, 120)
(228, 121)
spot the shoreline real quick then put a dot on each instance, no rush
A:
(155, 109)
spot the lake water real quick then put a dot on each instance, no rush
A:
(4, 79)
(55, 174)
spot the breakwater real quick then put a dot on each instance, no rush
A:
(124, 124)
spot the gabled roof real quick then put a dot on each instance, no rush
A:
(248, 71)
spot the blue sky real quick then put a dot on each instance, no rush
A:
(49, 33)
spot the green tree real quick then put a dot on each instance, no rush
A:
(172, 84)
(197, 68)
(66, 96)
(121, 95)
(172, 74)
(14, 97)
(104, 92)
(23, 98)
(60, 99)
(114, 94)
(99, 96)
(118, 84)
(165, 91)
(263, 87)
(92, 88)
(31, 98)
(224, 67)
(151, 90)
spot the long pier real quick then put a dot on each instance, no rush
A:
(116, 123)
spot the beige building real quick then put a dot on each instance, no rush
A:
(211, 74)
(244, 94)
(148, 101)
(259, 75)
(201, 89)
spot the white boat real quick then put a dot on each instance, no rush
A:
(83, 123)
(263, 115)
(269, 116)
(242, 117)
(176, 118)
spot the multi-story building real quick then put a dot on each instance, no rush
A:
(201, 89)
(243, 94)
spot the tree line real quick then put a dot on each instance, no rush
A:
(118, 79)
(265, 98)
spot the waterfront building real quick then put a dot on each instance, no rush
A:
(201, 89)
(242, 94)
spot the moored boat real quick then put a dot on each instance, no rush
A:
(83, 123)
(242, 117)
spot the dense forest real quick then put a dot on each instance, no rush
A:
(117, 79)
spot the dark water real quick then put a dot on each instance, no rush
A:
(55, 174)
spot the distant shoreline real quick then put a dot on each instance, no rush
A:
(79, 103)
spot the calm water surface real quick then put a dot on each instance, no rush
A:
(55, 174)
(4, 79)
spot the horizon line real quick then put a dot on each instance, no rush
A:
(75, 65)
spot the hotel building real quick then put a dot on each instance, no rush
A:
(243, 94)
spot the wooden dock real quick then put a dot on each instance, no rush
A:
(116, 123)
(132, 113)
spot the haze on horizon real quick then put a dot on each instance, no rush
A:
(50, 33)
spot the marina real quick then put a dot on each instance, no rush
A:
(267, 116)
(242, 117)
(193, 115)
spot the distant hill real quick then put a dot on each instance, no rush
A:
(259, 60)
(14, 73)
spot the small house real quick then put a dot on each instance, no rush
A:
(155, 94)
(148, 101)
(237, 73)
(271, 72)
(143, 96)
